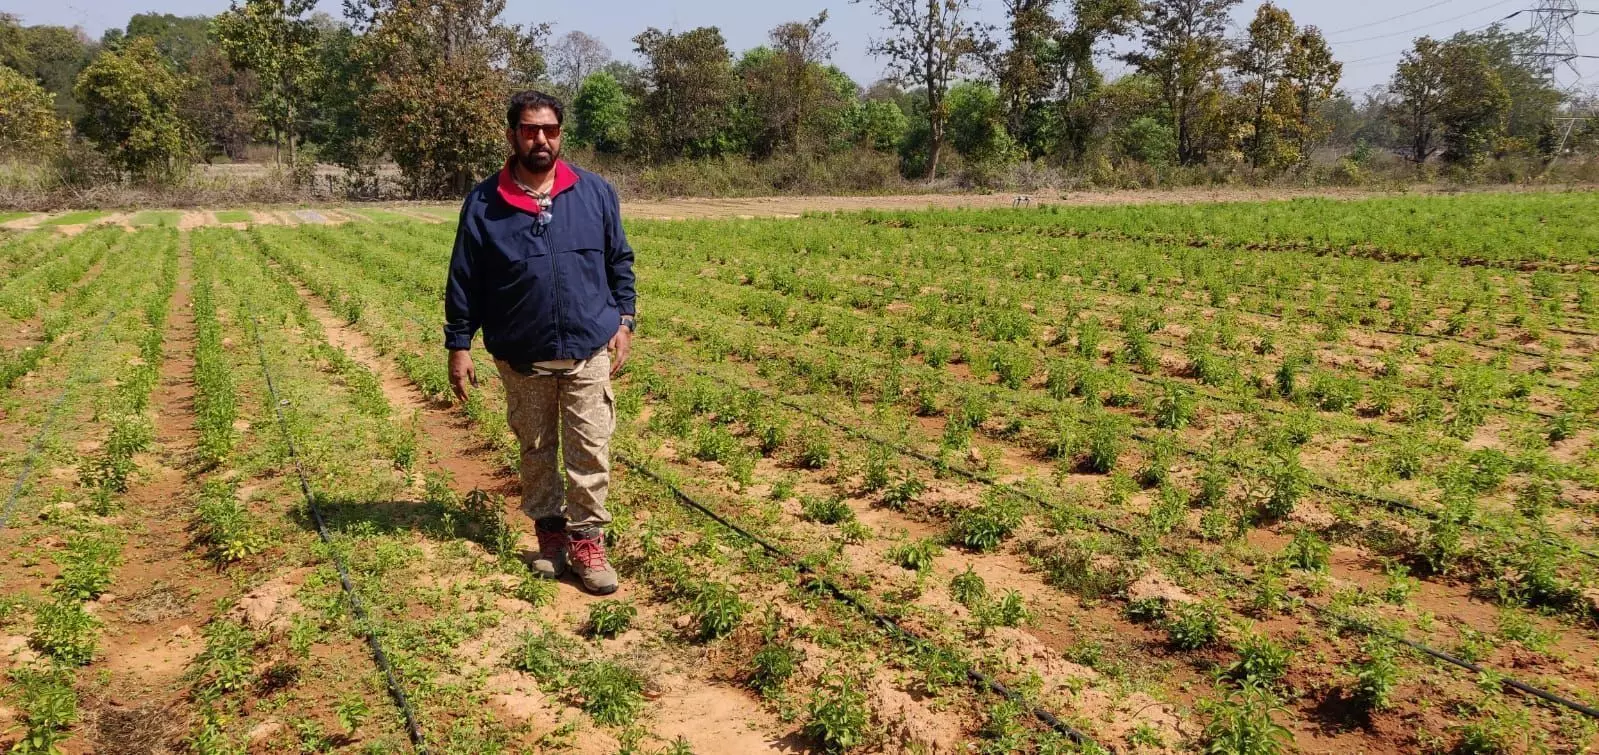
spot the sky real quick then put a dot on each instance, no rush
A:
(1367, 35)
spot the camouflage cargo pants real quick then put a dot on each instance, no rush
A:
(566, 405)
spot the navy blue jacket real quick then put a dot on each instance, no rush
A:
(539, 292)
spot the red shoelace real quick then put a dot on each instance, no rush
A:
(588, 552)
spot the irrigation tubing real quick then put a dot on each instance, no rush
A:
(1361, 625)
(977, 678)
(1392, 503)
(38, 440)
(357, 608)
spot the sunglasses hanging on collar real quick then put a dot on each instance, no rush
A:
(544, 201)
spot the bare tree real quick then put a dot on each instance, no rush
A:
(929, 42)
(573, 58)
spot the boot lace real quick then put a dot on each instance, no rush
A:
(551, 542)
(590, 552)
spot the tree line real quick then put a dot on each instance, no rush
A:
(422, 84)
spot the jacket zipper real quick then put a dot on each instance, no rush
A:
(555, 273)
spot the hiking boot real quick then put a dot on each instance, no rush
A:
(553, 544)
(586, 554)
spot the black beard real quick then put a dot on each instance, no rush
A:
(537, 162)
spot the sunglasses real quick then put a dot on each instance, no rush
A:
(530, 130)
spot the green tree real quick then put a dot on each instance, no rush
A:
(13, 44)
(875, 124)
(600, 114)
(977, 123)
(689, 94)
(1024, 71)
(442, 71)
(131, 99)
(1185, 51)
(1261, 63)
(342, 86)
(180, 39)
(1313, 75)
(52, 56)
(1077, 77)
(216, 104)
(1453, 96)
(928, 43)
(274, 39)
(28, 122)
(1418, 89)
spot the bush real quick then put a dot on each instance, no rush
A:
(1191, 626)
(985, 526)
(609, 618)
(838, 715)
(829, 510)
(774, 664)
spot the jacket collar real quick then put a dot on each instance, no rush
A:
(565, 178)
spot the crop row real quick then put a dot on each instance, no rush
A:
(386, 277)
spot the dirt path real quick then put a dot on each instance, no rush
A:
(702, 208)
(164, 590)
(714, 718)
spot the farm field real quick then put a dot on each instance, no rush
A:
(1316, 475)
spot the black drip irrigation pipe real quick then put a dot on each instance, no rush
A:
(977, 678)
(38, 440)
(1358, 624)
(357, 609)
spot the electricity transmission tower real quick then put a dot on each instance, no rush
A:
(1552, 22)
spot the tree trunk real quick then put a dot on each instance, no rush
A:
(932, 158)
(289, 127)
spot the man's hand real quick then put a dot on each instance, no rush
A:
(620, 346)
(462, 373)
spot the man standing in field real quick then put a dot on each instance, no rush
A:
(541, 265)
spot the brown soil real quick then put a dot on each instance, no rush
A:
(164, 591)
(712, 717)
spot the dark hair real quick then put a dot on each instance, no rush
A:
(531, 99)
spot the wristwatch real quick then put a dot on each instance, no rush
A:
(631, 323)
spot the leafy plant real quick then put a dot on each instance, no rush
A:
(223, 523)
(544, 654)
(1375, 676)
(774, 664)
(1190, 626)
(968, 588)
(901, 493)
(916, 555)
(1106, 437)
(838, 714)
(985, 526)
(226, 664)
(826, 510)
(815, 447)
(1260, 660)
(1242, 724)
(86, 566)
(1010, 610)
(612, 694)
(49, 706)
(609, 618)
(718, 610)
(1307, 551)
(63, 630)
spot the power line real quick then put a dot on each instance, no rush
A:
(1432, 24)
(1391, 18)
